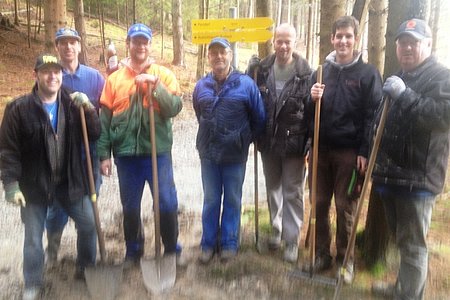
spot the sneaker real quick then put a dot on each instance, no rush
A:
(227, 254)
(322, 263)
(383, 289)
(31, 293)
(182, 260)
(130, 262)
(291, 253)
(206, 256)
(347, 273)
(79, 273)
(275, 240)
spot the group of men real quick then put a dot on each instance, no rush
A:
(43, 166)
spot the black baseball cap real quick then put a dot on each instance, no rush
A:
(416, 28)
(46, 60)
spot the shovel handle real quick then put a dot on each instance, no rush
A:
(312, 236)
(255, 158)
(98, 226)
(154, 172)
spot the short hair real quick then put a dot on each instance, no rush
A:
(344, 22)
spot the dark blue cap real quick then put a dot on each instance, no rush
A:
(67, 33)
(139, 29)
(416, 28)
(219, 41)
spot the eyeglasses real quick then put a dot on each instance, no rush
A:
(408, 42)
(219, 51)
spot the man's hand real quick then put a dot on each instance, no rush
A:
(253, 64)
(81, 100)
(143, 79)
(394, 87)
(317, 91)
(14, 195)
(105, 167)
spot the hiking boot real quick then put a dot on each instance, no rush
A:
(227, 255)
(383, 289)
(347, 273)
(31, 293)
(275, 240)
(322, 263)
(291, 253)
(206, 256)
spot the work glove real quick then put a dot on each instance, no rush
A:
(81, 100)
(14, 195)
(253, 64)
(394, 87)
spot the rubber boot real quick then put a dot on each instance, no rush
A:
(134, 234)
(53, 243)
(169, 231)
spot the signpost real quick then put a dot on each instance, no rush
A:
(235, 30)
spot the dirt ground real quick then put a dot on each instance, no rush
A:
(251, 275)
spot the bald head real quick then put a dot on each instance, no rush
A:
(284, 43)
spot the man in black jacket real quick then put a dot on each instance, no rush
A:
(350, 93)
(41, 164)
(283, 79)
(412, 159)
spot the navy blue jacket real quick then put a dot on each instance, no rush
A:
(230, 116)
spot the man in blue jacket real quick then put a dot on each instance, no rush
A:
(413, 155)
(230, 113)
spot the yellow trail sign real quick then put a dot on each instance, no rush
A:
(256, 35)
(230, 24)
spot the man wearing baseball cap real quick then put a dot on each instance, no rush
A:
(413, 155)
(40, 165)
(230, 113)
(80, 78)
(126, 134)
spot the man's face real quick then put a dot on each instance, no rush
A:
(219, 58)
(68, 49)
(284, 44)
(49, 79)
(343, 42)
(412, 52)
(139, 47)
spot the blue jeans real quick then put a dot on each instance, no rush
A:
(218, 179)
(133, 172)
(33, 216)
(409, 215)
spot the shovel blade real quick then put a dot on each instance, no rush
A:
(103, 282)
(159, 274)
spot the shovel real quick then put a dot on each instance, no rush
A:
(102, 281)
(160, 273)
(370, 166)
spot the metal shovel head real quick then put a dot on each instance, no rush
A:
(159, 273)
(103, 282)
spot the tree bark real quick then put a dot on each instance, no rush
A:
(377, 31)
(330, 11)
(80, 27)
(54, 18)
(263, 9)
(177, 24)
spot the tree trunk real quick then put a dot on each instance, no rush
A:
(285, 11)
(377, 30)
(54, 18)
(201, 48)
(360, 11)
(435, 8)
(330, 11)
(16, 15)
(80, 27)
(177, 24)
(263, 9)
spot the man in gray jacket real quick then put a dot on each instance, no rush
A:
(413, 156)
(283, 79)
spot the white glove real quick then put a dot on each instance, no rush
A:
(394, 87)
(14, 195)
(80, 99)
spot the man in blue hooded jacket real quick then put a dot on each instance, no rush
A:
(231, 114)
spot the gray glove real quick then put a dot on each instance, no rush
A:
(253, 64)
(394, 87)
(14, 195)
(80, 99)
